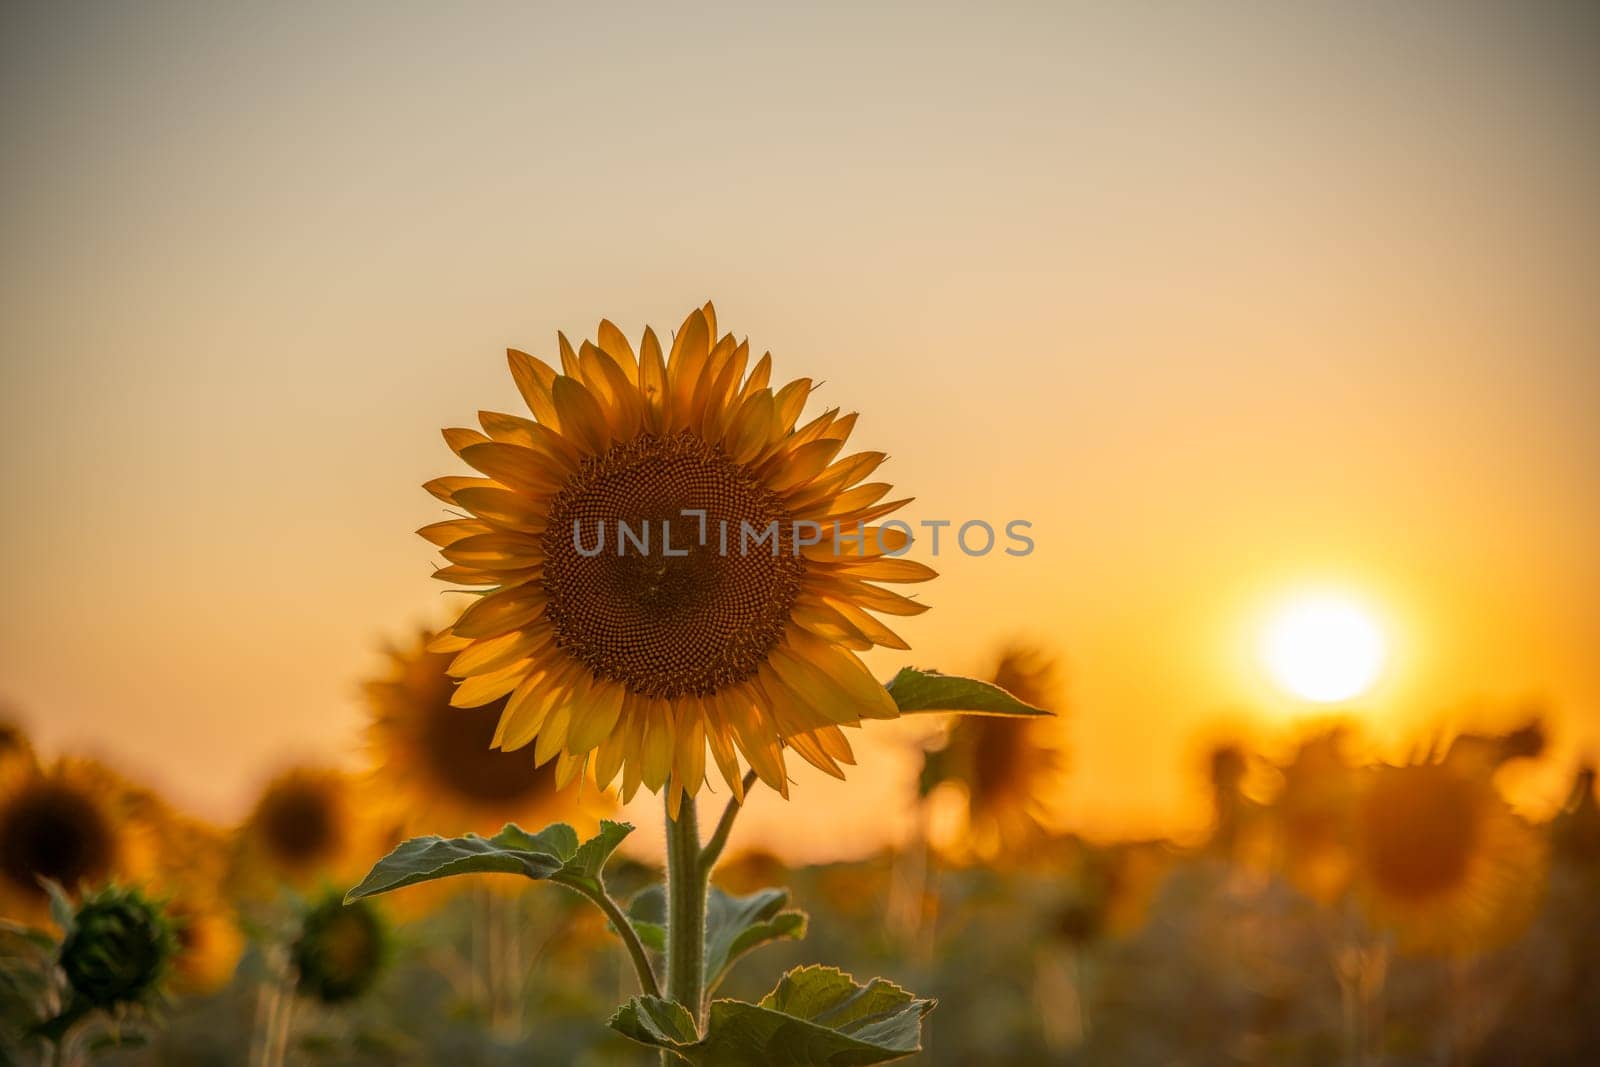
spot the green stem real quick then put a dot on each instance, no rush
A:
(719, 837)
(686, 909)
(630, 938)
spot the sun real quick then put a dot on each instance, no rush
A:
(1324, 649)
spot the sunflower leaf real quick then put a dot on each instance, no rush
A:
(647, 914)
(816, 1017)
(916, 690)
(735, 926)
(554, 853)
(658, 1023)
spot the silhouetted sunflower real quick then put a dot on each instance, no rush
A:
(719, 621)
(436, 764)
(305, 827)
(1443, 860)
(1008, 767)
(1314, 814)
(69, 823)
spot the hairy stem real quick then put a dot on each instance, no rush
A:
(686, 909)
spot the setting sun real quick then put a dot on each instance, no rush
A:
(1324, 649)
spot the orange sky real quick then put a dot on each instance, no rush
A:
(1226, 304)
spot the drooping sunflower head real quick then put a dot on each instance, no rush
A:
(1443, 860)
(669, 560)
(68, 824)
(1007, 767)
(303, 827)
(437, 761)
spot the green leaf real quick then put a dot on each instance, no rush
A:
(652, 936)
(916, 690)
(647, 914)
(553, 854)
(816, 1017)
(658, 1023)
(735, 926)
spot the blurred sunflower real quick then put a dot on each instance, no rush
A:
(305, 827)
(1102, 891)
(209, 943)
(190, 877)
(340, 951)
(1442, 859)
(1007, 767)
(749, 870)
(70, 823)
(435, 762)
(1314, 813)
(638, 659)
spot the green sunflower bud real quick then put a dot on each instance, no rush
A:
(341, 950)
(118, 948)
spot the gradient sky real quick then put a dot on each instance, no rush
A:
(1227, 300)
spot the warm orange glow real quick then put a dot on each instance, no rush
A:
(1326, 649)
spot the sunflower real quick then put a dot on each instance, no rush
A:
(732, 596)
(70, 823)
(436, 762)
(1104, 891)
(190, 877)
(304, 827)
(210, 943)
(1008, 767)
(340, 951)
(1314, 815)
(1442, 859)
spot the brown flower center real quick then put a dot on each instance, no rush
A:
(298, 823)
(1420, 826)
(455, 747)
(661, 623)
(51, 830)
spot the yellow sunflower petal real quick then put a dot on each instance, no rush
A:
(514, 467)
(655, 751)
(534, 378)
(484, 689)
(653, 387)
(614, 344)
(722, 747)
(582, 419)
(596, 720)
